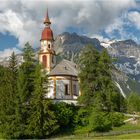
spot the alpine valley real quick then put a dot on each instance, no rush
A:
(126, 54)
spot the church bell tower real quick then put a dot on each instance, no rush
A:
(47, 53)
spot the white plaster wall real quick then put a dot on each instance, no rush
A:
(50, 93)
(77, 89)
(60, 89)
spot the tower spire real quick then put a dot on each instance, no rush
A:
(47, 20)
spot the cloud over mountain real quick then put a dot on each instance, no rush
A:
(23, 18)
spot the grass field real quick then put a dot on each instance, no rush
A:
(119, 137)
(82, 134)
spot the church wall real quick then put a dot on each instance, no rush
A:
(60, 89)
(76, 90)
(57, 88)
(50, 93)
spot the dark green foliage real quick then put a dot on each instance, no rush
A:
(88, 74)
(96, 84)
(100, 122)
(28, 69)
(7, 104)
(25, 87)
(28, 53)
(65, 115)
(81, 119)
(133, 103)
(8, 92)
(116, 118)
(42, 120)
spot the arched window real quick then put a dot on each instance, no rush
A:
(44, 58)
(49, 46)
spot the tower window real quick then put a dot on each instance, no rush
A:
(44, 58)
(66, 89)
(45, 43)
(49, 46)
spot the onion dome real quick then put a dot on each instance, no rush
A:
(47, 34)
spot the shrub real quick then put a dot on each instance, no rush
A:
(65, 114)
(116, 119)
(100, 122)
(82, 118)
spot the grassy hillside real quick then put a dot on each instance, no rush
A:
(126, 131)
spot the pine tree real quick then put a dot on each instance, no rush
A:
(7, 104)
(88, 65)
(9, 98)
(25, 87)
(97, 87)
(42, 120)
(28, 69)
(13, 67)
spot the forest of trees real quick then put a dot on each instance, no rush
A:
(26, 113)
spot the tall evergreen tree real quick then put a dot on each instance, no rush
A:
(8, 93)
(97, 86)
(88, 65)
(7, 104)
(42, 120)
(13, 67)
(28, 69)
(25, 87)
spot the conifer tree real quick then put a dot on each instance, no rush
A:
(24, 89)
(88, 65)
(42, 120)
(97, 87)
(7, 104)
(13, 67)
(9, 97)
(28, 69)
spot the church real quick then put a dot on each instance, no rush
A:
(63, 80)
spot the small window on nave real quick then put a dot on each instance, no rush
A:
(66, 89)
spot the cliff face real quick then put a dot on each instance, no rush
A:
(127, 53)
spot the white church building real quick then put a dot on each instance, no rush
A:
(63, 76)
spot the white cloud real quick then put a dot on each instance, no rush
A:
(134, 17)
(7, 52)
(23, 18)
(100, 37)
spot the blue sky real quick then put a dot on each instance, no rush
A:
(22, 20)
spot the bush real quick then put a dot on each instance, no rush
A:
(81, 119)
(65, 114)
(100, 122)
(116, 119)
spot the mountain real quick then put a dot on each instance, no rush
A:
(127, 54)
(126, 71)
(68, 45)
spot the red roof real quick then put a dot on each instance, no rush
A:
(47, 34)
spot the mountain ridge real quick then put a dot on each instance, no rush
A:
(127, 54)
